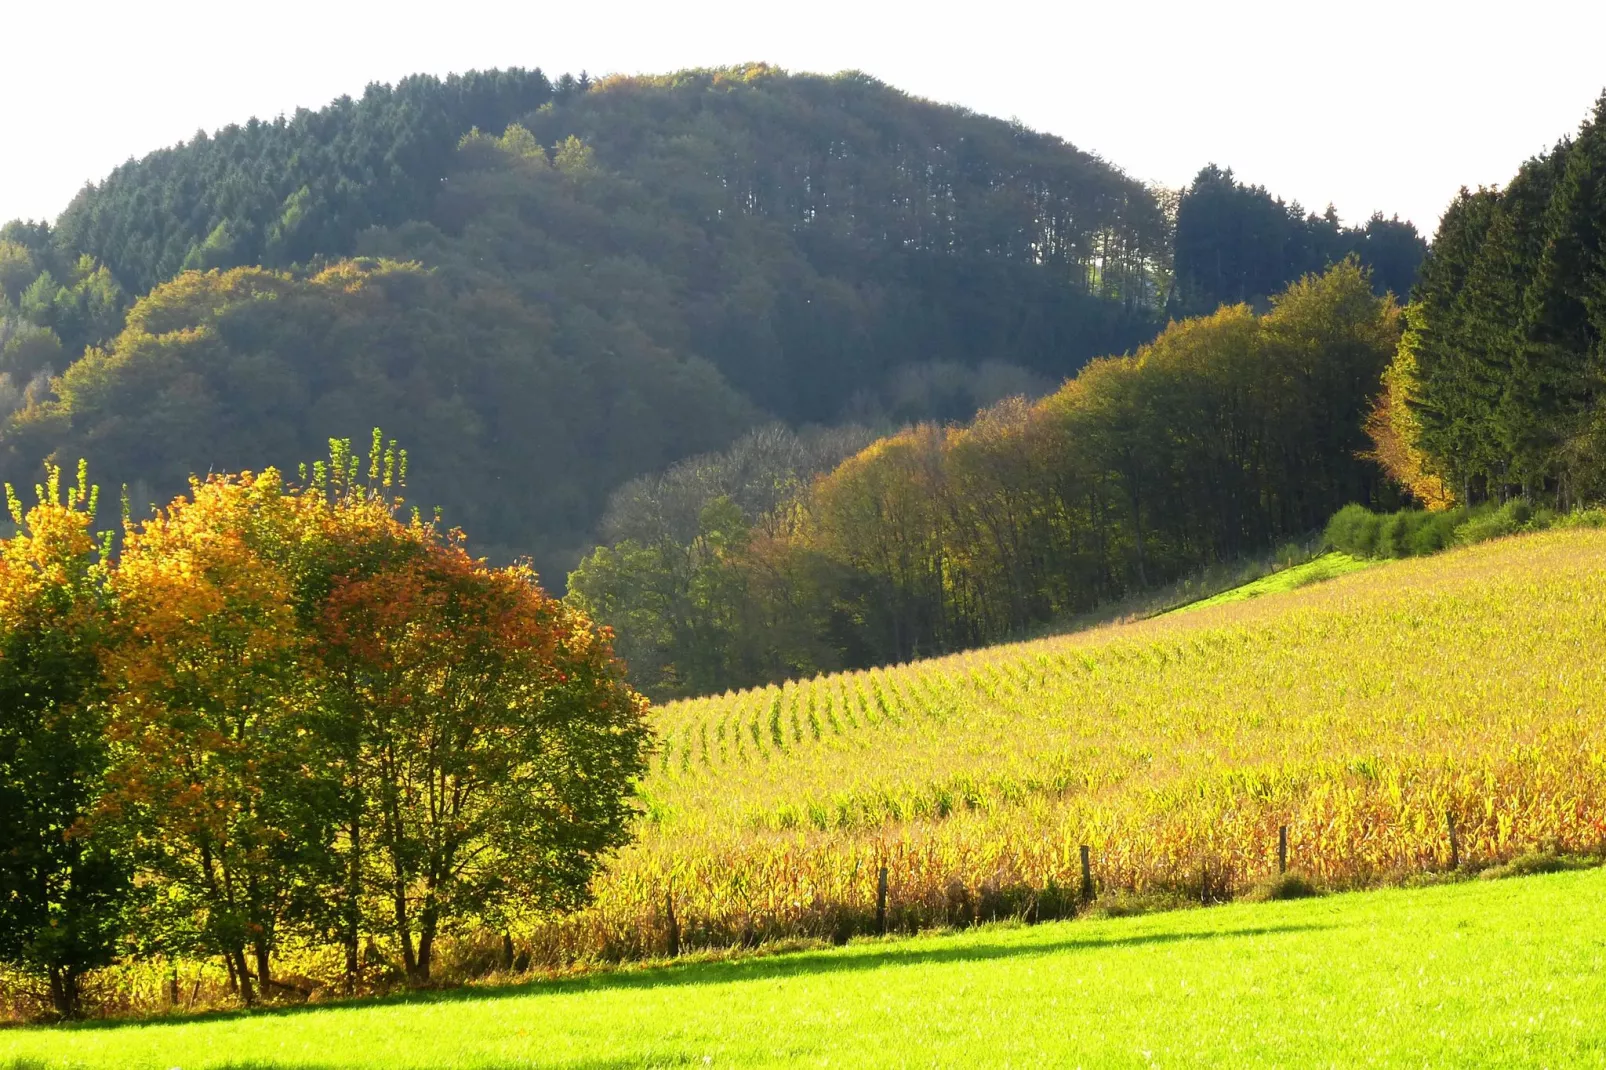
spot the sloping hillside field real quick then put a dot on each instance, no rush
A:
(1486, 973)
(1362, 713)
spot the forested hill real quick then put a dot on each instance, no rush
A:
(546, 289)
(279, 193)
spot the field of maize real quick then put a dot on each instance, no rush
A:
(1358, 713)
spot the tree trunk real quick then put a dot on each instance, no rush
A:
(351, 920)
(264, 978)
(427, 920)
(1137, 526)
(64, 994)
(247, 993)
(353, 911)
(404, 931)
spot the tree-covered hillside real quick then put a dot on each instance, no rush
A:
(1227, 433)
(553, 288)
(608, 278)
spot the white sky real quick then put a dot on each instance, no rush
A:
(1365, 104)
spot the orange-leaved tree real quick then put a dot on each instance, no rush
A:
(211, 724)
(482, 741)
(498, 743)
(332, 719)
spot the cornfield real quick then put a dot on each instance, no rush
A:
(1362, 714)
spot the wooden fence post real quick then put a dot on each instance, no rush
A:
(674, 925)
(1087, 875)
(1282, 849)
(881, 901)
(1455, 842)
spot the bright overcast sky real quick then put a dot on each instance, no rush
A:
(1364, 104)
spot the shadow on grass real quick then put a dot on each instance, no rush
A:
(631, 1062)
(730, 971)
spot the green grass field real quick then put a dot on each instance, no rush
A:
(1325, 567)
(1485, 973)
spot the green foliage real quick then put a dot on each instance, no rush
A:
(303, 185)
(1360, 532)
(1506, 332)
(27, 351)
(56, 290)
(248, 367)
(1236, 243)
(1582, 518)
(934, 539)
(609, 278)
(1354, 530)
(677, 583)
(1497, 522)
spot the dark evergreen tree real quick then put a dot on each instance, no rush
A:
(1503, 363)
(1237, 243)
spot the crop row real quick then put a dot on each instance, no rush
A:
(1358, 713)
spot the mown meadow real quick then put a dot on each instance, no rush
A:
(1482, 973)
(1365, 714)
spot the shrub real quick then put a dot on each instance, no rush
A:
(1393, 533)
(1359, 532)
(1354, 530)
(1483, 525)
(1583, 518)
(1283, 886)
(1432, 532)
(1530, 864)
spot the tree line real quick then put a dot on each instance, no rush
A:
(283, 715)
(1227, 433)
(1237, 243)
(598, 285)
(1496, 392)
(553, 287)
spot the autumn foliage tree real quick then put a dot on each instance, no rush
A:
(496, 741)
(211, 716)
(61, 889)
(301, 717)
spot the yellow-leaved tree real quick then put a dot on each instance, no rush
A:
(330, 718)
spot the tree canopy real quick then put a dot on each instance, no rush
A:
(1496, 391)
(1236, 243)
(552, 289)
(1224, 435)
(285, 714)
(555, 287)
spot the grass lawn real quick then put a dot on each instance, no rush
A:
(1492, 973)
(1325, 567)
